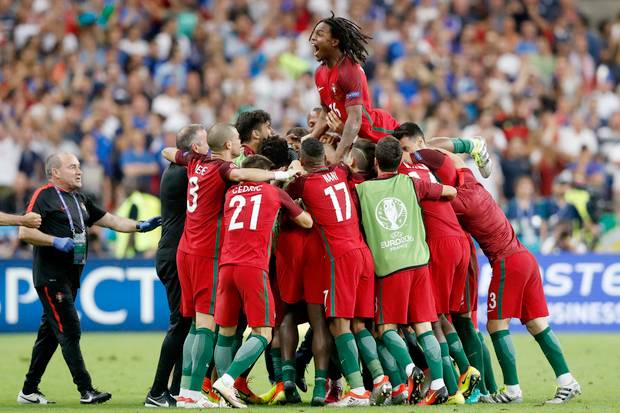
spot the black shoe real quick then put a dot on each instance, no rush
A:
(163, 400)
(414, 385)
(300, 376)
(290, 391)
(94, 396)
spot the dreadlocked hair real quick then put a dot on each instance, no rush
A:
(351, 40)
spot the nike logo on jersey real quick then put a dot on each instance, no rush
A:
(321, 88)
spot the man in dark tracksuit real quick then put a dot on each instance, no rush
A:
(60, 252)
(173, 195)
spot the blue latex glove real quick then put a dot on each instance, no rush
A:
(63, 244)
(149, 224)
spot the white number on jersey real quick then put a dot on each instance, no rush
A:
(193, 192)
(331, 192)
(332, 106)
(492, 301)
(238, 202)
(432, 178)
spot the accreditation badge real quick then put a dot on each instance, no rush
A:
(79, 248)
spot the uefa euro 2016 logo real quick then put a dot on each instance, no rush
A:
(391, 213)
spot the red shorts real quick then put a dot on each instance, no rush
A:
(448, 268)
(302, 266)
(470, 300)
(377, 125)
(516, 289)
(351, 287)
(474, 318)
(247, 287)
(405, 297)
(198, 278)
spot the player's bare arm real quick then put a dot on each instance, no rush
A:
(260, 175)
(30, 220)
(448, 192)
(351, 128)
(476, 147)
(320, 127)
(35, 237)
(169, 153)
(304, 220)
(122, 224)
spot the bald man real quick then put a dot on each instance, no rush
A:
(60, 251)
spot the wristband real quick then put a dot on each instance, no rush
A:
(281, 175)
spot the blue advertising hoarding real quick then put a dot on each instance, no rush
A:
(583, 293)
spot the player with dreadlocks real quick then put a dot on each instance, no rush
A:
(340, 45)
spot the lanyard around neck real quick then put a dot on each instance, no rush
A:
(68, 212)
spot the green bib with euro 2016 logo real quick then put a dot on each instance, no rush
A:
(392, 220)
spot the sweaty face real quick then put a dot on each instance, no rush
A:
(322, 41)
(69, 174)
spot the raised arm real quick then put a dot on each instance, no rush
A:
(350, 131)
(30, 220)
(320, 127)
(122, 224)
(169, 153)
(259, 175)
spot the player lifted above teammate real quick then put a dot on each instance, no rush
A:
(340, 46)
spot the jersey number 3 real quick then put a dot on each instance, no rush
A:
(238, 202)
(193, 194)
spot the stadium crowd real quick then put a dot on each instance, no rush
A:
(113, 83)
(388, 274)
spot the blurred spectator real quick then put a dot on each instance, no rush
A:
(514, 165)
(572, 139)
(137, 162)
(528, 215)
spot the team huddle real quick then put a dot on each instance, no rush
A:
(364, 229)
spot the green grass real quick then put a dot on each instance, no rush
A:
(124, 364)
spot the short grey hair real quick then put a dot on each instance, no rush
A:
(188, 135)
(52, 162)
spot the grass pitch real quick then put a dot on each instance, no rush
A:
(124, 364)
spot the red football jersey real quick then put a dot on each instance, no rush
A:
(327, 197)
(484, 219)
(439, 217)
(208, 181)
(345, 85)
(439, 163)
(250, 212)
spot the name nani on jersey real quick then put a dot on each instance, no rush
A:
(330, 177)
